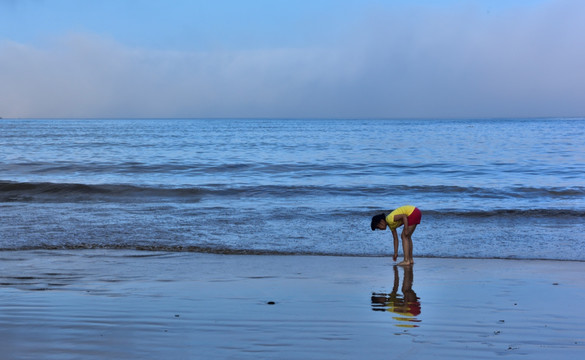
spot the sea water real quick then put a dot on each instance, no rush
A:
(506, 188)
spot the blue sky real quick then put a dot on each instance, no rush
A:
(278, 58)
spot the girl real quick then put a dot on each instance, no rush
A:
(407, 215)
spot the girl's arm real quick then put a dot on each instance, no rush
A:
(395, 236)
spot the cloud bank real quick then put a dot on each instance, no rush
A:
(390, 62)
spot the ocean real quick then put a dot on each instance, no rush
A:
(505, 188)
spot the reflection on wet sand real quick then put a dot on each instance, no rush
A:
(406, 305)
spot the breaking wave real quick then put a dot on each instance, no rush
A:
(71, 192)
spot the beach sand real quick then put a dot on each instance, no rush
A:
(114, 304)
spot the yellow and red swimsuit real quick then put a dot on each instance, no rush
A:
(413, 215)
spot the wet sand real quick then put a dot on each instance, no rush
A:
(99, 304)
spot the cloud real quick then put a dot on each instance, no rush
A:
(89, 76)
(390, 62)
(466, 62)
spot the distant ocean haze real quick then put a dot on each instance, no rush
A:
(487, 188)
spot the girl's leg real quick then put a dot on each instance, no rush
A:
(412, 228)
(407, 246)
(406, 249)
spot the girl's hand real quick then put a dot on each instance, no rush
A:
(395, 256)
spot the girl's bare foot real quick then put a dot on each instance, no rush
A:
(405, 263)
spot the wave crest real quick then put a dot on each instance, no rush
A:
(71, 192)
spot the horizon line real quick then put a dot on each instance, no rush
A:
(295, 118)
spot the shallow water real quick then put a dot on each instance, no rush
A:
(97, 304)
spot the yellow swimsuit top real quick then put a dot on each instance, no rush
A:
(406, 210)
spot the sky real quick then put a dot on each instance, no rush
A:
(292, 58)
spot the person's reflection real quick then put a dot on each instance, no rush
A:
(406, 306)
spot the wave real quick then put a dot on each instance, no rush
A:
(298, 170)
(70, 192)
(11, 191)
(150, 249)
(560, 213)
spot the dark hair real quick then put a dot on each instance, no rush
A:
(376, 219)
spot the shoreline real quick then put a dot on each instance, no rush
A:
(127, 304)
(250, 252)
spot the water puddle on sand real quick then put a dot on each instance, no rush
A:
(404, 306)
